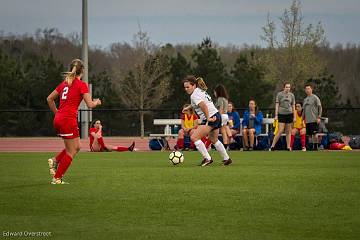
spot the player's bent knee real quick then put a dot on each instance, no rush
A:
(194, 138)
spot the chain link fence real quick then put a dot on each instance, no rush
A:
(126, 122)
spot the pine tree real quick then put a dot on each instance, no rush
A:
(326, 89)
(208, 64)
(179, 69)
(248, 82)
(103, 88)
(11, 78)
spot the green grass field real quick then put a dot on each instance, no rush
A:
(263, 195)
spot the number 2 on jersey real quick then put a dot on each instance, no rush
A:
(208, 97)
(65, 91)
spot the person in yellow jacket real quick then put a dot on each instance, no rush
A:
(299, 127)
(189, 121)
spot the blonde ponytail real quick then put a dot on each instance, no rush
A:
(201, 83)
(76, 68)
(70, 76)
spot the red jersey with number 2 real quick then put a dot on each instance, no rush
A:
(70, 98)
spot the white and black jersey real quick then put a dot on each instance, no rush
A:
(202, 96)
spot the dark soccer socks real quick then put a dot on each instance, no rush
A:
(131, 148)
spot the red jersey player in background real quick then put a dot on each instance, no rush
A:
(97, 143)
(71, 92)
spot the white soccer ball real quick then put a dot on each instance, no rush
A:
(176, 157)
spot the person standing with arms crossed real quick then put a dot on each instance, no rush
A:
(285, 114)
(71, 92)
(312, 111)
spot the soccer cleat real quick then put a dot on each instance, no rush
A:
(53, 165)
(56, 181)
(206, 162)
(271, 149)
(202, 162)
(227, 162)
(303, 149)
(131, 148)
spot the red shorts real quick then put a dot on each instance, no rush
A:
(66, 128)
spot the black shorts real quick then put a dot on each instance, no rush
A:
(286, 118)
(312, 128)
(216, 124)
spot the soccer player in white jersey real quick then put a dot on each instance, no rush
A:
(209, 116)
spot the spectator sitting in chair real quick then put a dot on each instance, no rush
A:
(234, 120)
(188, 124)
(251, 123)
(97, 143)
(299, 127)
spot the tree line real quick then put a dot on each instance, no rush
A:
(144, 75)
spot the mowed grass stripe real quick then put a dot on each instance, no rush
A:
(140, 195)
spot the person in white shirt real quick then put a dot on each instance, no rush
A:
(209, 116)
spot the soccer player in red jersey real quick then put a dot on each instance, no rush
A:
(71, 92)
(97, 143)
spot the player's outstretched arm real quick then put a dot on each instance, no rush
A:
(89, 102)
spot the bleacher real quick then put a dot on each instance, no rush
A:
(169, 125)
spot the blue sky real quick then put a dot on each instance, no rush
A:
(225, 21)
